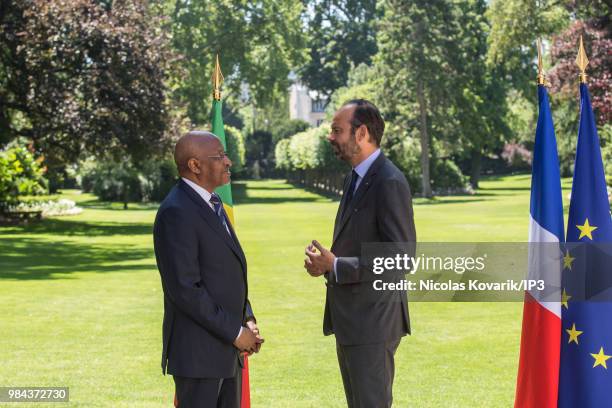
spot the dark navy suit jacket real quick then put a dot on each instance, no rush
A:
(204, 278)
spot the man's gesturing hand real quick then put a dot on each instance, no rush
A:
(247, 341)
(317, 263)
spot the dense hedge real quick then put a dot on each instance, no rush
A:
(307, 158)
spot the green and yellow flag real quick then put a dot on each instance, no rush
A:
(225, 192)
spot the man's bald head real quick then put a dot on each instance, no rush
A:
(200, 157)
(194, 144)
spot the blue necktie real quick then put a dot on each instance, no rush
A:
(350, 191)
(218, 206)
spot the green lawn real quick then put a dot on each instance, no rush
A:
(82, 304)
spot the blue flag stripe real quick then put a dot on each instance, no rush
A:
(546, 202)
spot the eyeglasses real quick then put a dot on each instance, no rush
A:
(220, 156)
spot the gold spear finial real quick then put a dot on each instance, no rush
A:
(217, 79)
(582, 61)
(541, 77)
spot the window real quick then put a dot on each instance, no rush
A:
(318, 105)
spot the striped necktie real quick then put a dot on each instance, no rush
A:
(218, 206)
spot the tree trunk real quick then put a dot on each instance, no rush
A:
(426, 179)
(475, 167)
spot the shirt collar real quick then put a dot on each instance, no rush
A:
(362, 168)
(201, 191)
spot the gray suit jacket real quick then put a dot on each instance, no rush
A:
(204, 277)
(380, 212)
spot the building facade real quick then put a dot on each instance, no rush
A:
(306, 105)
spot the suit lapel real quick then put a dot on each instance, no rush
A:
(361, 191)
(347, 182)
(235, 239)
(213, 221)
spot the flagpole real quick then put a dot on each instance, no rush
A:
(583, 379)
(217, 79)
(541, 77)
(538, 368)
(582, 61)
(225, 192)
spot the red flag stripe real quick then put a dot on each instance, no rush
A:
(538, 373)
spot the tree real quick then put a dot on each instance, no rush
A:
(259, 42)
(515, 27)
(433, 59)
(516, 24)
(342, 35)
(80, 77)
(479, 103)
(417, 41)
(598, 43)
(289, 128)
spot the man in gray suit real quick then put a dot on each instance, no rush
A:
(376, 207)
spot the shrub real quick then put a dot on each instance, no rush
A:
(281, 155)
(117, 182)
(121, 181)
(517, 156)
(446, 177)
(20, 173)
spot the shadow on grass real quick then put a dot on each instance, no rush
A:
(116, 206)
(66, 227)
(421, 201)
(25, 258)
(240, 193)
(504, 188)
(277, 200)
(502, 177)
(242, 185)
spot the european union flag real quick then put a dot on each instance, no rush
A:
(585, 378)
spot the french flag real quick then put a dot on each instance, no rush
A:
(538, 372)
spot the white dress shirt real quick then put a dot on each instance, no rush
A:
(202, 192)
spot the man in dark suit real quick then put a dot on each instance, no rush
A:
(208, 320)
(376, 207)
